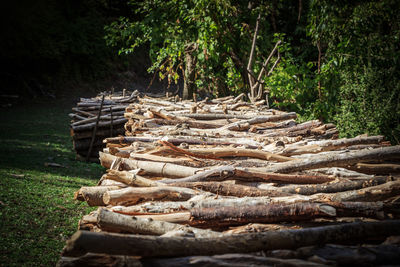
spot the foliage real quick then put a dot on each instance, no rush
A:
(333, 53)
(37, 210)
(361, 64)
(220, 30)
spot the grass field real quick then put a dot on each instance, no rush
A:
(37, 210)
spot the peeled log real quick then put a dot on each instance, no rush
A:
(132, 195)
(229, 172)
(245, 124)
(240, 152)
(227, 189)
(154, 168)
(376, 168)
(373, 193)
(83, 242)
(335, 160)
(338, 186)
(329, 145)
(111, 221)
(131, 179)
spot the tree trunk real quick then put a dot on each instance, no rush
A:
(189, 85)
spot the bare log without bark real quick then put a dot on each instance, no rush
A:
(132, 195)
(131, 179)
(338, 186)
(227, 189)
(83, 242)
(336, 160)
(155, 168)
(229, 172)
(111, 221)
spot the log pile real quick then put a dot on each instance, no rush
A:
(95, 119)
(227, 183)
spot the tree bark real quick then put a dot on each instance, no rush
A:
(272, 213)
(189, 86)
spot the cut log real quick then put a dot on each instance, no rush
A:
(83, 242)
(130, 178)
(376, 168)
(227, 216)
(227, 189)
(229, 172)
(336, 160)
(240, 152)
(149, 157)
(154, 168)
(91, 125)
(104, 260)
(234, 260)
(333, 187)
(93, 195)
(111, 221)
(245, 124)
(345, 255)
(132, 195)
(373, 193)
(329, 145)
(178, 141)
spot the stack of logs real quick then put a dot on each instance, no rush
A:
(95, 119)
(227, 183)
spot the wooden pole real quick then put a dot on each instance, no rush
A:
(95, 130)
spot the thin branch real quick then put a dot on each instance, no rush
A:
(264, 67)
(253, 46)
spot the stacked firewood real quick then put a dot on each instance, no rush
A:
(95, 118)
(227, 183)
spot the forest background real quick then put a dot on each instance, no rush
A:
(338, 61)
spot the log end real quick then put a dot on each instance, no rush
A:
(106, 198)
(72, 248)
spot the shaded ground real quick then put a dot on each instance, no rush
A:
(37, 210)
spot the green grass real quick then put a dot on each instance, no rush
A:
(37, 210)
